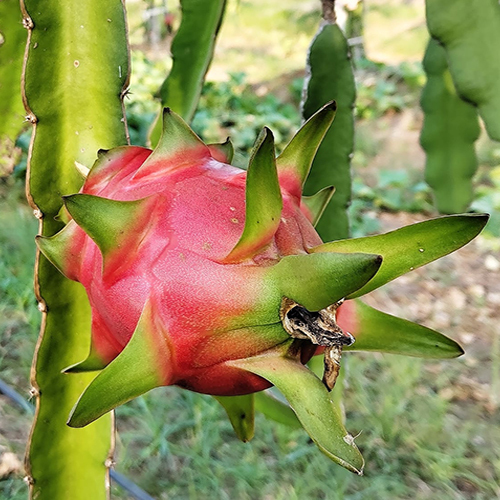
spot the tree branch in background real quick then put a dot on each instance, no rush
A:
(329, 11)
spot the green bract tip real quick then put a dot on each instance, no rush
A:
(318, 202)
(222, 152)
(241, 413)
(91, 363)
(411, 246)
(58, 249)
(296, 159)
(263, 200)
(378, 331)
(311, 403)
(178, 145)
(105, 221)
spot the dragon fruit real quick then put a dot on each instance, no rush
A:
(210, 277)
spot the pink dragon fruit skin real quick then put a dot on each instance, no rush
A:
(186, 259)
(179, 267)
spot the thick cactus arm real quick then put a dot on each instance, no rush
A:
(451, 127)
(65, 74)
(331, 78)
(378, 331)
(405, 249)
(192, 52)
(75, 71)
(263, 200)
(241, 413)
(13, 41)
(312, 404)
(470, 33)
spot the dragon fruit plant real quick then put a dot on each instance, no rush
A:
(198, 273)
(206, 276)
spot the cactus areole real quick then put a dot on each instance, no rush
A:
(190, 263)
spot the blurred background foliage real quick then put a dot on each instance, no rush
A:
(429, 429)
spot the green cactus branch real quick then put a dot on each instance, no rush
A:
(450, 130)
(212, 286)
(332, 78)
(192, 52)
(75, 72)
(12, 42)
(135, 491)
(469, 31)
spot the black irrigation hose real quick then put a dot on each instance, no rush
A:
(14, 396)
(132, 488)
(137, 492)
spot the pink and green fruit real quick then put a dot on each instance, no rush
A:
(167, 242)
(187, 262)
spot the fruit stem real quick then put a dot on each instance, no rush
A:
(332, 365)
(321, 329)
